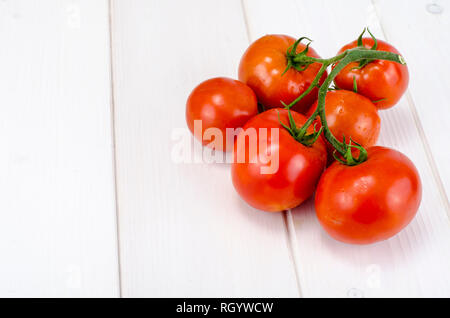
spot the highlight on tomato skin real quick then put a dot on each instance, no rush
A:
(220, 103)
(383, 82)
(262, 67)
(370, 202)
(296, 168)
(351, 115)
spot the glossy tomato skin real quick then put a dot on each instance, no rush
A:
(299, 166)
(261, 67)
(377, 80)
(352, 115)
(370, 202)
(220, 103)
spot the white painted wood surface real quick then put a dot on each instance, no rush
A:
(57, 207)
(425, 39)
(183, 231)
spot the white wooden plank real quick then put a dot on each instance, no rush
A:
(57, 229)
(414, 263)
(184, 231)
(422, 32)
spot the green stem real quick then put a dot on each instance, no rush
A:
(315, 83)
(305, 58)
(325, 63)
(351, 56)
(342, 60)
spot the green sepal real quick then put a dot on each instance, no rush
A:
(364, 62)
(348, 158)
(300, 135)
(309, 140)
(379, 100)
(359, 41)
(281, 123)
(291, 54)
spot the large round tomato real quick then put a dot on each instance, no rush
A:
(283, 174)
(369, 202)
(381, 81)
(262, 66)
(220, 103)
(351, 115)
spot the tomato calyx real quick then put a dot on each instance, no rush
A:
(300, 134)
(360, 45)
(348, 158)
(299, 61)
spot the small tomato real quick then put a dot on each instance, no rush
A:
(220, 103)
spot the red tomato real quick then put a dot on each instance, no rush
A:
(352, 115)
(369, 202)
(261, 68)
(298, 170)
(220, 103)
(382, 81)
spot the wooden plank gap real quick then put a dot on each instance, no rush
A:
(113, 138)
(291, 240)
(247, 27)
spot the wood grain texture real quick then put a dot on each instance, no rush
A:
(184, 231)
(415, 262)
(58, 231)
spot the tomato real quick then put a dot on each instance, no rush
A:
(295, 171)
(352, 115)
(369, 202)
(220, 103)
(262, 66)
(382, 81)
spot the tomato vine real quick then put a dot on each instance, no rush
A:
(300, 61)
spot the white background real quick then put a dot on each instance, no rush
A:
(91, 203)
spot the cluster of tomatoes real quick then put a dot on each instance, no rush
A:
(363, 193)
